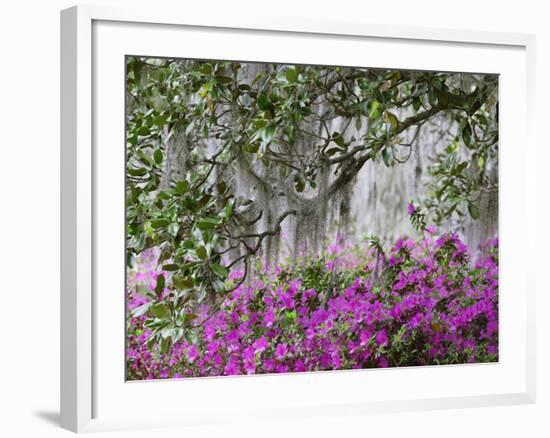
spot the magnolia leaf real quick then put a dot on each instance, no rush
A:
(252, 148)
(141, 310)
(160, 223)
(202, 253)
(331, 151)
(387, 156)
(158, 156)
(181, 187)
(473, 210)
(263, 102)
(375, 107)
(219, 270)
(267, 133)
(183, 282)
(137, 172)
(161, 281)
(188, 244)
(160, 311)
(291, 74)
(208, 223)
(339, 140)
(164, 345)
(391, 119)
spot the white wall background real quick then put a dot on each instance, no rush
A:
(29, 217)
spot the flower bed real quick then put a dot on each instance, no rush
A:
(420, 303)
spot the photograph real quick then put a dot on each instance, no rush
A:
(306, 220)
(287, 218)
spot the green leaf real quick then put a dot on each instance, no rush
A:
(151, 342)
(473, 210)
(219, 270)
(290, 316)
(252, 148)
(141, 310)
(227, 211)
(143, 289)
(339, 140)
(160, 223)
(144, 159)
(137, 172)
(188, 317)
(481, 162)
(375, 107)
(201, 253)
(450, 210)
(170, 267)
(165, 194)
(181, 187)
(161, 281)
(258, 77)
(157, 155)
(267, 133)
(173, 229)
(208, 223)
(460, 168)
(206, 69)
(160, 121)
(143, 131)
(291, 75)
(391, 119)
(263, 102)
(387, 156)
(188, 244)
(432, 97)
(482, 119)
(259, 123)
(164, 345)
(332, 151)
(161, 311)
(183, 282)
(437, 84)
(219, 285)
(205, 225)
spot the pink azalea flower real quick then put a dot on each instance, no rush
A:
(280, 351)
(431, 229)
(236, 275)
(192, 353)
(382, 338)
(260, 344)
(269, 318)
(334, 248)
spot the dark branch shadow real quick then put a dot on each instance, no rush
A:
(51, 417)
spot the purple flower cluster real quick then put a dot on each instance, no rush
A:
(427, 303)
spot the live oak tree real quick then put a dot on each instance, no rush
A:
(222, 155)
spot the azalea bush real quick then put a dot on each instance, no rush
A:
(419, 302)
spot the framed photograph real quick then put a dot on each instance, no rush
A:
(269, 217)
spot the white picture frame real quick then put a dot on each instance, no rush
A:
(90, 392)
